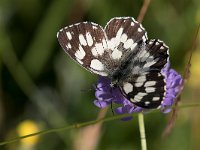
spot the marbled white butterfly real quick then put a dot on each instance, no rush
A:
(122, 52)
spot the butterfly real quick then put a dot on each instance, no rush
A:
(122, 52)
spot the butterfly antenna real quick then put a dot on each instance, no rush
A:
(92, 88)
(111, 106)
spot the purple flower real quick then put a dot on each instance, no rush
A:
(105, 94)
(174, 86)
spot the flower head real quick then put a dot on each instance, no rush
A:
(173, 86)
(105, 94)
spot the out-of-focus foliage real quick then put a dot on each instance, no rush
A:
(39, 82)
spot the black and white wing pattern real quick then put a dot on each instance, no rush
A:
(122, 52)
(102, 51)
(146, 90)
(124, 35)
(86, 43)
(146, 85)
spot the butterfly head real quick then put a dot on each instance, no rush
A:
(113, 84)
(115, 78)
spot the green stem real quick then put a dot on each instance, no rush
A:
(142, 131)
(78, 125)
(67, 127)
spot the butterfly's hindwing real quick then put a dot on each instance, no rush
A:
(157, 51)
(146, 67)
(152, 55)
(146, 90)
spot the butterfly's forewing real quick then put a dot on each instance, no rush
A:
(146, 86)
(86, 43)
(124, 34)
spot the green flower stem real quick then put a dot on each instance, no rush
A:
(142, 131)
(79, 125)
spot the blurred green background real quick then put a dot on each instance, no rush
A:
(41, 88)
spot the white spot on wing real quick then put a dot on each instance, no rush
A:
(136, 70)
(138, 84)
(123, 38)
(89, 39)
(103, 74)
(147, 103)
(148, 64)
(69, 36)
(141, 79)
(139, 30)
(128, 43)
(147, 55)
(137, 98)
(144, 56)
(119, 33)
(133, 46)
(118, 36)
(94, 52)
(150, 89)
(82, 40)
(144, 38)
(132, 100)
(141, 94)
(150, 42)
(127, 87)
(157, 43)
(149, 59)
(69, 45)
(111, 43)
(162, 47)
(142, 53)
(99, 48)
(94, 27)
(97, 65)
(132, 23)
(156, 99)
(150, 83)
(104, 43)
(116, 54)
(80, 54)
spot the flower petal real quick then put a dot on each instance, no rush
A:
(101, 104)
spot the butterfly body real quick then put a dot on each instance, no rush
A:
(121, 52)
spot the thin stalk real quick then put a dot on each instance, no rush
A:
(142, 131)
(83, 124)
